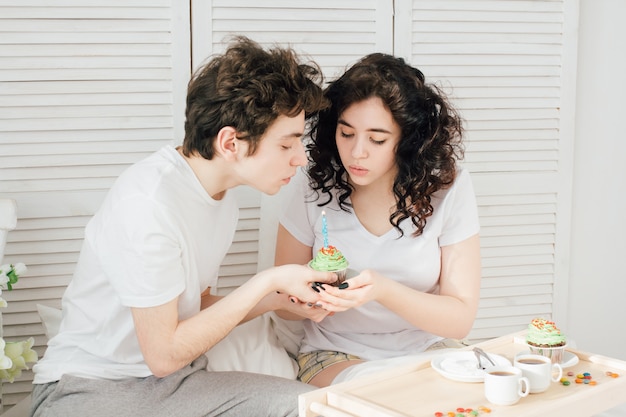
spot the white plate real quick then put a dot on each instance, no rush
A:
(569, 358)
(462, 366)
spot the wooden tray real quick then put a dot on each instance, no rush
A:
(418, 390)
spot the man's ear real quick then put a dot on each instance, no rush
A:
(226, 143)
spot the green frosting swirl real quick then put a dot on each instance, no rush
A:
(329, 259)
(542, 332)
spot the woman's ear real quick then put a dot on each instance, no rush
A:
(226, 143)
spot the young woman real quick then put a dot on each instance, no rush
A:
(384, 169)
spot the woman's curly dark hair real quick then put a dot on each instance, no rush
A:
(247, 88)
(428, 150)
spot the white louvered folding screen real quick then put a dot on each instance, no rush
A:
(506, 65)
(87, 87)
(334, 33)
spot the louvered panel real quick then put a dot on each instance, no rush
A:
(88, 135)
(517, 250)
(501, 62)
(233, 260)
(520, 309)
(88, 88)
(117, 90)
(240, 263)
(69, 123)
(488, 328)
(518, 235)
(92, 111)
(477, 117)
(514, 280)
(106, 99)
(12, 393)
(19, 149)
(489, 241)
(334, 33)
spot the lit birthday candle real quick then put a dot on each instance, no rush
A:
(324, 229)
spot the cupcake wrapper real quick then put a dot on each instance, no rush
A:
(341, 275)
(555, 354)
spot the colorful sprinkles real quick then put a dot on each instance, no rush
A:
(464, 412)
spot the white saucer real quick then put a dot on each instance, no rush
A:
(462, 366)
(569, 359)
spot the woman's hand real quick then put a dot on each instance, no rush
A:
(354, 292)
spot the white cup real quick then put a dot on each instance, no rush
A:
(505, 385)
(539, 370)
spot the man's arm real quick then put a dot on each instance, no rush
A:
(168, 344)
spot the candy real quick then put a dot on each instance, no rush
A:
(565, 383)
(463, 412)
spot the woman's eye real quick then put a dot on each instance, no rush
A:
(377, 142)
(285, 148)
(346, 135)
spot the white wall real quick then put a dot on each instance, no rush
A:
(597, 291)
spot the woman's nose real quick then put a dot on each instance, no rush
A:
(358, 150)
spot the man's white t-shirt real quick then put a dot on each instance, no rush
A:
(157, 236)
(372, 331)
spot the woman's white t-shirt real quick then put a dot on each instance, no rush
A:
(372, 331)
(157, 236)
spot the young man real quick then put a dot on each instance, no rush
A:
(138, 315)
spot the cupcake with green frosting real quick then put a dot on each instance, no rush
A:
(330, 259)
(545, 338)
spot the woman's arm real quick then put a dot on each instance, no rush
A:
(290, 250)
(450, 313)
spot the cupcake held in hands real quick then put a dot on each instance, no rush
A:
(329, 258)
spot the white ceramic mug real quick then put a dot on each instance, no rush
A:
(539, 370)
(505, 385)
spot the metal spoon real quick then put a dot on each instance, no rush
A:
(479, 352)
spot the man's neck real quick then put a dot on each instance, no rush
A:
(212, 174)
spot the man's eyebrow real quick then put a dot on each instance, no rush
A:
(379, 130)
(292, 135)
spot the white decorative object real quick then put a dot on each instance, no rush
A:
(14, 356)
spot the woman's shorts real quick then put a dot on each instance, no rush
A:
(312, 363)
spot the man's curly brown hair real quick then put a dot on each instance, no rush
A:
(247, 88)
(428, 150)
